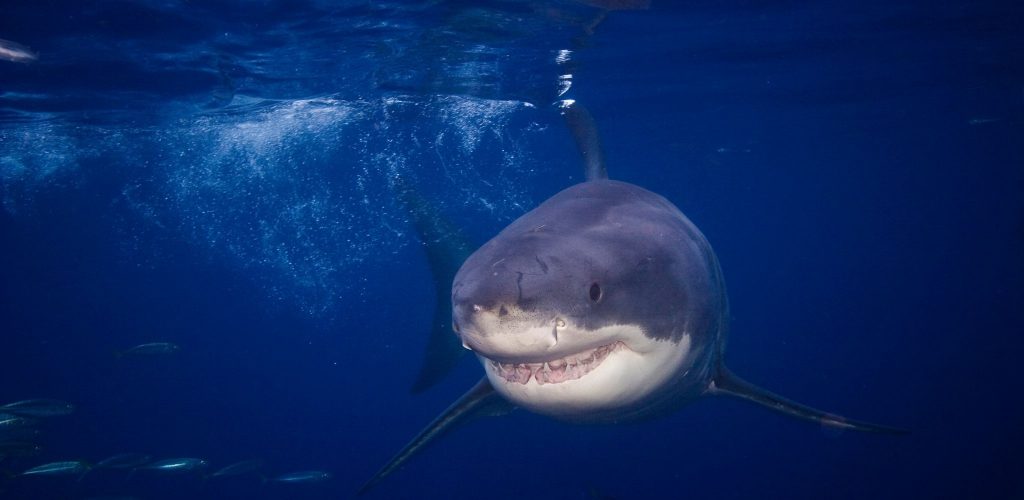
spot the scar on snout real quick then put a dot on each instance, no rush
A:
(543, 266)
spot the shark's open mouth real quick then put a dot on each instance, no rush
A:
(557, 371)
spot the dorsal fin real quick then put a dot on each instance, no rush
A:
(584, 132)
(479, 401)
(446, 248)
(727, 384)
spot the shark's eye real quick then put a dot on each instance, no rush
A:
(595, 292)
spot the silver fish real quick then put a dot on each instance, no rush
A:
(308, 476)
(150, 349)
(58, 468)
(123, 461)
(16, 52)
(8, 421)
(239, 468)
(176, 465)
(38, 408)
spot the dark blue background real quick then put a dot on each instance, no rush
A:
(858, 167)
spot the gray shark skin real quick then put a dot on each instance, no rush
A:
(603, 304)
(447, 247)
(525, 298)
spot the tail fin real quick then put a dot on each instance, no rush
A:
(728, 384)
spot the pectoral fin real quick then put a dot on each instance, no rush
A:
(479, 401)
(728, 384)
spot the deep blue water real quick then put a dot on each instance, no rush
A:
(219, 175)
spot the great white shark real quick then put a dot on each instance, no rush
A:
(602, 304)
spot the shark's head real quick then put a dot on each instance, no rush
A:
(600, 304)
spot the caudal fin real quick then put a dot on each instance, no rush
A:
(728, 384)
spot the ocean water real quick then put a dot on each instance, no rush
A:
(221, 176)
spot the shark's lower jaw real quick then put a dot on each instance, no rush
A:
(557, 371)
(613, 373)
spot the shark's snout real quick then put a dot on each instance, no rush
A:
(505, 332)
(508, 280)
(500, 312)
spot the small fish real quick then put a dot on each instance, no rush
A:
(38, 408)
(150, 349)
(239, 468)
(308, 476)
(176, 465)
(123, 461)
(981, 121)
(8, 421)
(58, 469)
(16, 52)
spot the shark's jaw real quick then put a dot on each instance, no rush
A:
(616, 371)
(556, 371)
